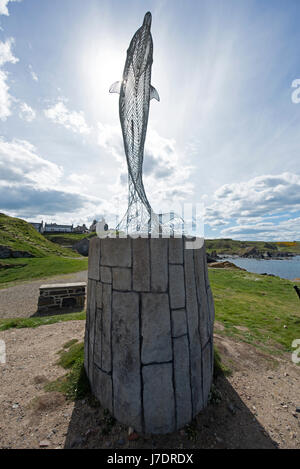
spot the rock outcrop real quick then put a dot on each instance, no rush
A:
(6, 253)
(82, 247)
(225, 265)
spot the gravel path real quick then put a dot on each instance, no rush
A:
(256, 406)
(21, 300)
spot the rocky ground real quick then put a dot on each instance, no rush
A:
(21, 300)
(255, 407)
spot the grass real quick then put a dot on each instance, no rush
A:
(67, 239)
(219, 367)
(232, 246)
(74, 385)
(40, 268)
(19, 235)
(267, 308)
(21, 323)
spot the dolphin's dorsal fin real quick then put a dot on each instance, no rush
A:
(154, 93)
(115, 87)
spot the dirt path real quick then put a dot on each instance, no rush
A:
(21, 300)
(257, 407)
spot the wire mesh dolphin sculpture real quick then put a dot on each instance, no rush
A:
(136, 92)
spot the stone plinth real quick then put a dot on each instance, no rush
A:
(60, 296)
(149, 331)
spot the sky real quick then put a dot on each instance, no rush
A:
(225, 134)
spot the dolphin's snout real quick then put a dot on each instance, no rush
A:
(148, 19)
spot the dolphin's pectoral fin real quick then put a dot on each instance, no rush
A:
(154, 93)
(115, 87)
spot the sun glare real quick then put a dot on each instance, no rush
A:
(101, 64)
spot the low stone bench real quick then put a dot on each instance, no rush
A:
(61, 296)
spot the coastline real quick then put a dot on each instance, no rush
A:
(286, 270)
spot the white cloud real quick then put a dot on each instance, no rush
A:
(33, 74)
(4, 6)
(19, 162)
(71, 120)
(165, 172)
(257, 208)
(31, 186)
(6, 56)
(287, 230)
(259, 197)
(26, 112)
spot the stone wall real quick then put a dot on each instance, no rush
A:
(149, 331)
(61, 296)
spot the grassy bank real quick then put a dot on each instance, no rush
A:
(27, 269)
(23, 323)
(19, 235)
(67, 239)
(261, 310)
(235, 247)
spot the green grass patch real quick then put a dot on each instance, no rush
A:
(235, 247)
(260, 310)
(21, 323)
(67, 239)
(69, 354)
(40, 268)
(74, 385)
(69, 343)
(219, 367)
(19, 235)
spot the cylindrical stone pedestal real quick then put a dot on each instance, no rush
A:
(149, 331)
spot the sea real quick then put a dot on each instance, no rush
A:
(284, 268)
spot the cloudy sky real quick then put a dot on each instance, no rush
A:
(226, 132)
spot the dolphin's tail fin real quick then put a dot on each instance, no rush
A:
(154, 93)
(115, 87)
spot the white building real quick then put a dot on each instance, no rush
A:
(54, 228)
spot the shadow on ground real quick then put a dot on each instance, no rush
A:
(225, 423)
(55, 312)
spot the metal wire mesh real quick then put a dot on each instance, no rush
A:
(135, 95)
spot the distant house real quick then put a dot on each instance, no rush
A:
(80, 229)
(54, 228)
(92, 228)
(38, 226)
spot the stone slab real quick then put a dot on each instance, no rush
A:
(179, 323)
(177, 289)
(202, 295)
(105, 274)
(126, 359)
(121, 278)
(57, 286)
(141, 264)
(106, 328)
(116, 252)
(98, 338)
(103, 388)
(91, 313)
(159, 264)
(196, 373)
(99, 295)
(183, 391)
(159, 401)
(94, 259)
(176, 251)
(156, 328)
(207, 367)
